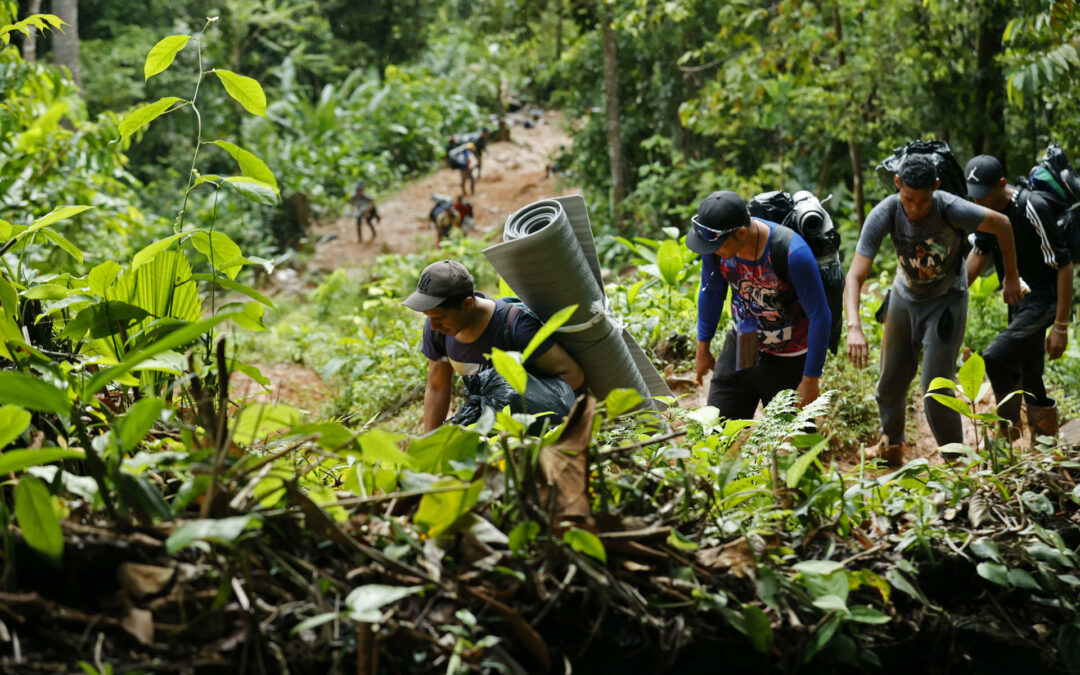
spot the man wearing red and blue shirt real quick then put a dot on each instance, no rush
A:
(790, 317)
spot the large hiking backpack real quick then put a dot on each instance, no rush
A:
(458, 157)
(804, 214)
(1055, 178)
(949, 170)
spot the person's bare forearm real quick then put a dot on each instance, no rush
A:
(436, 405)
(1064, 295)
(976, 263)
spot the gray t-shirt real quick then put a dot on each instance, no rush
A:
(930, 251)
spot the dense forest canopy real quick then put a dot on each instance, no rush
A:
(211, 395)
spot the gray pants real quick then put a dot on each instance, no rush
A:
(932, 330)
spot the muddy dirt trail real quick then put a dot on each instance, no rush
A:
(513, 175)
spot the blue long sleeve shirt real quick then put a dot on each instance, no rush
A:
(792, 318)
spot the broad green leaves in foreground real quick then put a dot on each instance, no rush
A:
(245, 90)
(37, 519)
(162, 54)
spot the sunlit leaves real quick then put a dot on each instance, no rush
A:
(550, 326)
(250, 165)
(245, 90)
(440, 510)
(380, 448)
(509, 366)
(585, 542)
(37, 519)
(222, 530)
(162, 54)
(364, 602)
(146, 114)
(33, 393)
(13, 421)
(220, 250)
(620, 400)
(260, 420)
(18, 460)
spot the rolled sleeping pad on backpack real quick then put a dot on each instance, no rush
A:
(548, 257)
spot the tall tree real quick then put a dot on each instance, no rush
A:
(611, 87)
(66, 44)
(29, 49)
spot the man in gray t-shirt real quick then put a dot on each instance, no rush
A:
(927, 310)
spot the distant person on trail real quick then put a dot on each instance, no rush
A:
(443, 216)
(363, 208)
(463, 158)
(464, 212)
(463, 326)
(1014, 359)
(927, 307)
(781, 328)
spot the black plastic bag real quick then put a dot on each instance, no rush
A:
(774, 206)
(488, 389)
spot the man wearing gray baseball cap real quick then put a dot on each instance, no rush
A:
(462, 327)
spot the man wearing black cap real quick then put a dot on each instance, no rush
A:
(782, 326)
(1014, 358)
(927, 309)
(462, 327)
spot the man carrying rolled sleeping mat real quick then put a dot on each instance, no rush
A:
(461, 329)
(781, 327)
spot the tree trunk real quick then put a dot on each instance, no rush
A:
(558, 30)
(853, 148)
(611, 85)
(29, 49)
(989, 87)
(66, 44)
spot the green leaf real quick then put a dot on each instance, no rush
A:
(670, 262)
(255, 190)
(54, 216)
(680, 542)
(18, 460)
(380, 448)
(993, 572)
(510, 368)
(434, 452)
(620, 400)
(230, 285)
(181, 336)
(245, 90)
(37, 519)
(162, 54)
(986, 549)
(133, 425)
(148, 253)
(439, 511)
(222, 530)
(1037, 503)
(1022, 579)
(13, 421)
(9, 298)
(260, 420)
(250, 317)
(550, 326)
(103, 276)
(220, 250)
(941, 383)
(953, 404)
(799, 466)
(32, 393)
(758, 628)
(971, 376)
(308, 623)
(250, 165)
(585, 542)
(867, 614)
(522, 534)
(146, 114)
(65, 245)
(364, 602)
(831, 603)
(822, 567)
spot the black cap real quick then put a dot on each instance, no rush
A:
(982, 173)
(439, 281)
(719, 214)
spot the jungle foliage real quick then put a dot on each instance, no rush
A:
(150, 518)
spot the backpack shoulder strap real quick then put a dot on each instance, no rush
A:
(779, 245)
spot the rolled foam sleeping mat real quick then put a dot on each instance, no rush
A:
(548, 257)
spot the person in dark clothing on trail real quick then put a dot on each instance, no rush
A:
(927, 306)
(443, 216)
(462, 327)
(782, 327)
(363, 210)
(1015, 358)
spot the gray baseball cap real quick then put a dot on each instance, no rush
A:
(439, 281)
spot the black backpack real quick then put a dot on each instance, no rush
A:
(1055, 178)
(814, 225)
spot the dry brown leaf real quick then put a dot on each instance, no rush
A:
(142, 581)
(735, 555)
(565, 463)
(140, 624)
